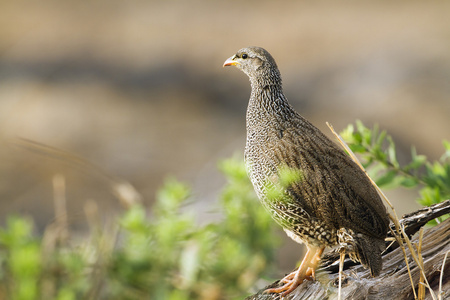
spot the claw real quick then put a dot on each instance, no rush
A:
(307, 270)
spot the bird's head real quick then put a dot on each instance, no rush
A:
(256, 62)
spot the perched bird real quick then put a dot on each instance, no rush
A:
(326, 200)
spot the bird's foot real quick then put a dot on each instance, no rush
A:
(310, 274)
(292, 281)
(305, 271)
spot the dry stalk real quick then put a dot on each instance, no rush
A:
(56, 234)
(402, 246)
(91, 212)
(392, 240)
(123, 190)
(99, 249)
(441, 292)
(421, 288)
(59, 198)
(401, 236)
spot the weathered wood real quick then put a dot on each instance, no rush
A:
(394, 281)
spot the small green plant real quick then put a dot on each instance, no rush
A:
(166, 254)
(21, 259)
(169, 256)
(378, 155)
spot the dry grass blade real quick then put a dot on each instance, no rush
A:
(99, 248)
(122, 189)
(421, 288)
(402, 247)
(441, 292)
(59, 198)
(56, 234)
(401, 236)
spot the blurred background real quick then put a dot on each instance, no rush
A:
(137, 88)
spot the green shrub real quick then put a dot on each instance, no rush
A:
(163, 255)
(171, 253)
(378, 155)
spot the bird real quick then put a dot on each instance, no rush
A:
(309, 185)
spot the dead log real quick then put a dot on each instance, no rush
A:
(394, 281)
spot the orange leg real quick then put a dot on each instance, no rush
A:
(306, 270)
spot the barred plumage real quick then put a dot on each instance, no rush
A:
(332, 201)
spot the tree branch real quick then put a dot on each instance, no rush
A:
(393, 283)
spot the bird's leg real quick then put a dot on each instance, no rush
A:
(311, 272)
(293, 278)
(306, 270)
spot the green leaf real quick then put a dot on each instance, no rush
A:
(391, 153)
(171, 196)
(409, 182)
(386, 179)
(288, 176)
(134, 219)
(347, 134)
(357, 148)
(380, 139)
(446, 154)
(430, 196)
(233, 168)
(417, 161)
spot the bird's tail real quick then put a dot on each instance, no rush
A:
(368, 252)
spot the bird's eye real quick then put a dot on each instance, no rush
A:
(244, 56)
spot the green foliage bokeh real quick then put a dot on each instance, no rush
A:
(170, 254)
(378, 155)
(165, 254)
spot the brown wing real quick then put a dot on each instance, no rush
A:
(333, 188)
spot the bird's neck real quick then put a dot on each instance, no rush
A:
(268, 78)
(267, 101)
